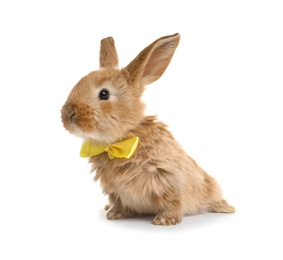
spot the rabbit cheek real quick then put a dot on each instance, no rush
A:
(107, 106)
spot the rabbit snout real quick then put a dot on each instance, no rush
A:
(79, 117)
(70, 111)
(68, 114)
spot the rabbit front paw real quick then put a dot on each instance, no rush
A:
(118, 212)
(164, 219)
(115, 214)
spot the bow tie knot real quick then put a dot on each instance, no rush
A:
(122, 149)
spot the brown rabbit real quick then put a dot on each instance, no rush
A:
(153, 175)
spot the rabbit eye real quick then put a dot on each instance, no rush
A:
(104, 94)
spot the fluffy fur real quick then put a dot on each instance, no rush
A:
(160, 178)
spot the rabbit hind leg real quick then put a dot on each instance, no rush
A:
(221, 206)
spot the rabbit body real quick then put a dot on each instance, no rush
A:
(159, 178)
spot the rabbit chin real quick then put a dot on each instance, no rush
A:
(94, 136)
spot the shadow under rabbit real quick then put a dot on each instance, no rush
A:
(188, 222)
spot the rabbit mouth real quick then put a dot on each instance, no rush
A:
(85, 131)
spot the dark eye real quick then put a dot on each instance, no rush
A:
(104, 94)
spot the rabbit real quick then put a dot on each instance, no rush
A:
(159, 178)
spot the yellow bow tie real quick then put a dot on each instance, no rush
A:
(123, 149)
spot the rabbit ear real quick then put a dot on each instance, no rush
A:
(108, 54)
(152, 61)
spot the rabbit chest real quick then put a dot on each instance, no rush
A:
(129, 182)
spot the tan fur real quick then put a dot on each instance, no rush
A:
(160, 178)
(108, 54)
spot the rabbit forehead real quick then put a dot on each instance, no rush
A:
(99, 77)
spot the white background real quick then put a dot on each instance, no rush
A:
(221, 96)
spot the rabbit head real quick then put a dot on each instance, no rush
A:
(106, 104)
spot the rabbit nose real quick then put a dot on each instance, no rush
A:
(71, 117)
(70, 110)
